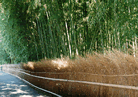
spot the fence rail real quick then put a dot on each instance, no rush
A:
(8, 68)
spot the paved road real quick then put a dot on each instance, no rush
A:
(11, 86)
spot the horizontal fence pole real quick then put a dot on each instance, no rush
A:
(85, 82)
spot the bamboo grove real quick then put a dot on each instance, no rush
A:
(36, 29)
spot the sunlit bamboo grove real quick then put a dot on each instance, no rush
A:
(36, 29)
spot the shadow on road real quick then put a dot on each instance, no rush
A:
(11, 86)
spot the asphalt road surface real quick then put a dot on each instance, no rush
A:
(11, 86)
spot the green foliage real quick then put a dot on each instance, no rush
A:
(34, 29)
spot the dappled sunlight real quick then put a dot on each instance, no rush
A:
(25, 96)
(30, 96)
(11, 86)
(13, 89)
(18, 91)
(31, 65)
(6, 88)
(60, 63)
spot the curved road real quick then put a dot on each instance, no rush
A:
(11, 86)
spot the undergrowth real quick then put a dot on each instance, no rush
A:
(114, 68)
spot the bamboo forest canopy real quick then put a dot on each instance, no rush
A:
(35, 29)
